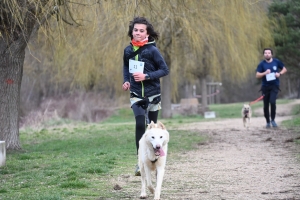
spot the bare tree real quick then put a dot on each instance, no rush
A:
(19, 20)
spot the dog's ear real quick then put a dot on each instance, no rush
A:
(151, 125)
(158, 125)
(167, 138)
(161, 125)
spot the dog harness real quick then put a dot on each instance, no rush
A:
(154, 161)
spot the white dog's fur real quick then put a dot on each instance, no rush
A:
(153, 147)
(246, 114)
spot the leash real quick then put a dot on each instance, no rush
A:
(268, 89)
(260, 98)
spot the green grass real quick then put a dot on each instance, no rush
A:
(63, 163)
(76, 160)
(296, 110)
(123, 115)
(233, 110)
(293, 123)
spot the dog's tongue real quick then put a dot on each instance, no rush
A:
(161, 152)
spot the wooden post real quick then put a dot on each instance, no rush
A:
(218, 98)
(2, 153)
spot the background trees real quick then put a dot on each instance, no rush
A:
(213, 41)
(199, 39)
(78, 46)
(287, 36)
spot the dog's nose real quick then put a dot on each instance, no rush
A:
(157, 146)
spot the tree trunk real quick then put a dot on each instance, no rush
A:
(289, 87)
(11, 71)
(166, 94)
(13, 41)
(218, 96)
(298, 96)
(166, 97)
(203, 95)
(2, 153)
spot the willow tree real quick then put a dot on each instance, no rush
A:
(197, 39)
(213, 38)
(19, 20)
(207, 38)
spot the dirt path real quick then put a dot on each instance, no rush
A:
(235, 164)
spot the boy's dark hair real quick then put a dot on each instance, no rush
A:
(150, 30)
(268, 49)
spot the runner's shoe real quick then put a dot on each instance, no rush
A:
(274, 124)
(268, 125)
(137, 171)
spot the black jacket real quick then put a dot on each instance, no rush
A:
(155, 66)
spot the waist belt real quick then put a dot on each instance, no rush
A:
(144, 102)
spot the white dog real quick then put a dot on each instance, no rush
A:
(246, 114)
(153, 147)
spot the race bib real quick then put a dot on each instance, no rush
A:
(136, 66)
(271, 76)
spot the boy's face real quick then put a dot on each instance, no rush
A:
(139, 32)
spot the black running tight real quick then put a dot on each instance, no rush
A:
(140, 122)
(270, 95)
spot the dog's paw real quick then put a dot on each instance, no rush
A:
(143, 196)
(156, 198)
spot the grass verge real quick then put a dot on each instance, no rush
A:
(76, 161)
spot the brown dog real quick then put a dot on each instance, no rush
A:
(246, 114)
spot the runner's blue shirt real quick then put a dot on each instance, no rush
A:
(274, 66)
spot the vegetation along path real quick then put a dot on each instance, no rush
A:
(235, 163)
